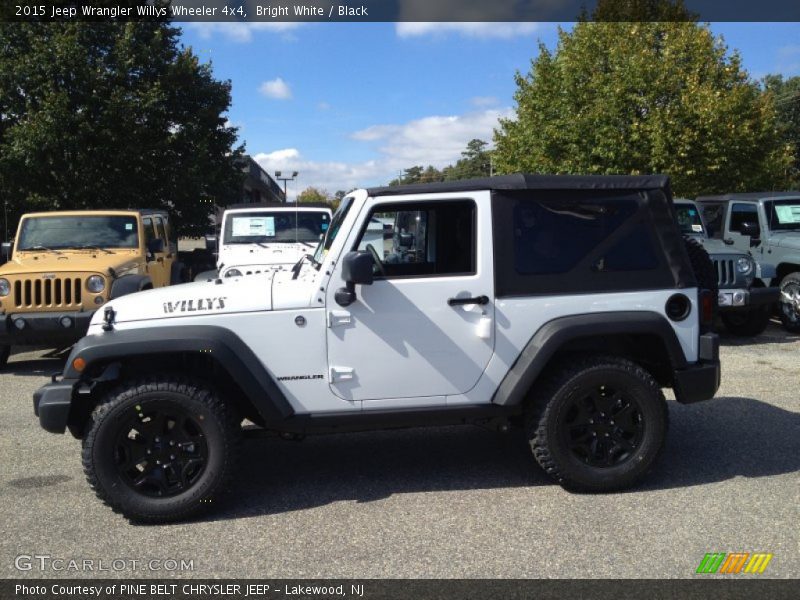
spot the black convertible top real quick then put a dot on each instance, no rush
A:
(525, 181)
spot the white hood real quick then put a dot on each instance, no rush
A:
(266, 256)
(233, 295)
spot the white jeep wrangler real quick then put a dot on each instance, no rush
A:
(559, 304)
(268, 236)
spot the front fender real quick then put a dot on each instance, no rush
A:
(128, 284)
(222, 345)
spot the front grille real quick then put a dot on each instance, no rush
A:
(48, 293)
(726, 273)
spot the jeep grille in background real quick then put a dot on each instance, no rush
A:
(726, 273)
(42, 293)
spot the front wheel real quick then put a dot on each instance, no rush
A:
(160, 448)
(789, 303)
(597, 424)
(747, 323)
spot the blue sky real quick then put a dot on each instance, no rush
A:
(351, 104)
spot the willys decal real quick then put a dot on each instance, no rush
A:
(195, 305)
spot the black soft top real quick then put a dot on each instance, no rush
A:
(748, 196)
(279, 205)
(525, 181)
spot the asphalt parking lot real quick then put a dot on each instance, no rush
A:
(448, 502)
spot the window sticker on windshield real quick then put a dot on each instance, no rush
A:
(788, 215)
(324, 227)
(128, 226)
(254, 226)
(697, 228)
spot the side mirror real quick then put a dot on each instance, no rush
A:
(155, 246)
(750, 229)
(211, 243)
(356, 269)
(405, 240)
(5, 252)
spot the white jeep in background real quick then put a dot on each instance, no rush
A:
(268, 236)
(559, 304)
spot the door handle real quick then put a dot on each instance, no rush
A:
(462, 301)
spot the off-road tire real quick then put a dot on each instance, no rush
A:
(551, 403)
(219, 432)
(5, 352)
(747, 323)
(789, 318)
(703, 268)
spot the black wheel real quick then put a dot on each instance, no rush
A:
(789, 303)
(747, 323)
(5, 352)
(160, 448)
(597, 424)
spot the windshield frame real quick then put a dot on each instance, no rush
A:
(333, 229)
(772, 215)
(76, 245)
(229, 239)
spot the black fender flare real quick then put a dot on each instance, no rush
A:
(176, 273)
(224, 346)
(553, 335)
(128, 284)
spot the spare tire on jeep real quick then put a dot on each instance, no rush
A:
(703, 268)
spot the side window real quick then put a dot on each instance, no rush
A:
(424, 238)
(160, 230)
(743, 213)
(713, 215)
(149, 233)
(554, 239)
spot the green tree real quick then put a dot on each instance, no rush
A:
(113, 115)
(475, 161)
(649, 97)
(786, 93)
(312, 194)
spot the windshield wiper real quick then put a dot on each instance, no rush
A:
(93, 247)
(299, 264)
(40, 249)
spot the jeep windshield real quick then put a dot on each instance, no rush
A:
(78, 232)
(784, 215)
(689, 219)
(275, 227)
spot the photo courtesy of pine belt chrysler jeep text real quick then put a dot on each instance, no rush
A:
(559, 304)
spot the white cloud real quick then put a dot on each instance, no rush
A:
(435, 140)
(277, 89)
(481, 30)
(323, 106)
(789, 60)
(241, 32)
(484, 101)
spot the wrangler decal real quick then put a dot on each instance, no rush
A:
(299, 377)
(194, 305)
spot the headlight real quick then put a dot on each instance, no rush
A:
(744, 265)
(5, 287)
(95, 284)
(233, 273)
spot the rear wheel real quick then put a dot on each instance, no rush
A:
(789, 303)
(597, 424)
(747, 323)
(160, 448)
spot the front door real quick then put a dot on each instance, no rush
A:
(425, 327)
